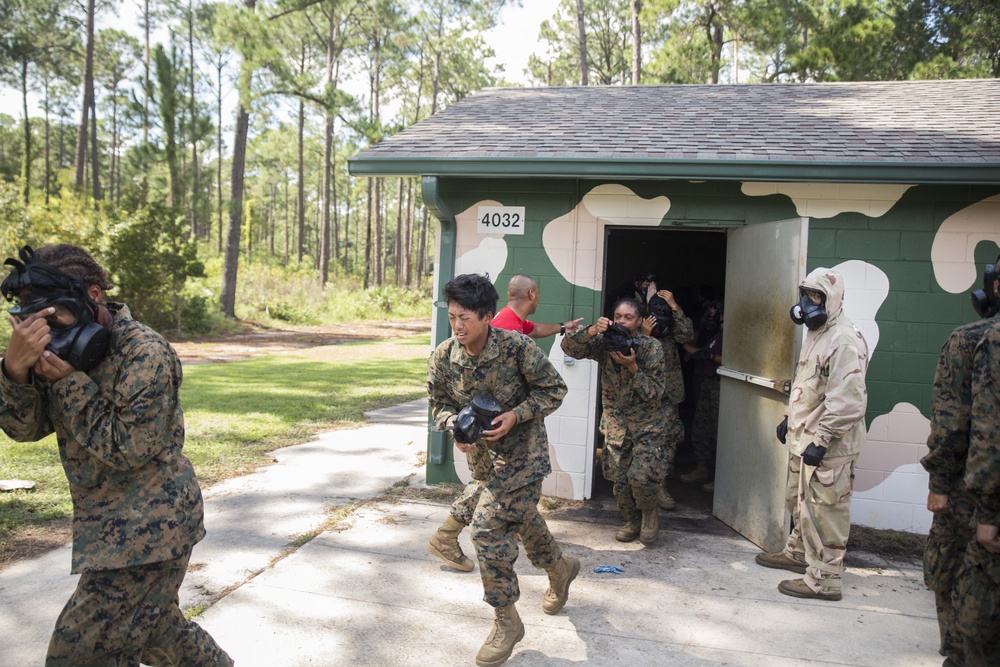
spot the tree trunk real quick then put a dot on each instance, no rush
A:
(88, 99)
(192, 124)
(218, 139)
(146, 28)
(368, 236)
(302, 181)
(232, 256)
(26, 162)
(636, 43)
(287, 222)
(398, 245)
(48, 161)
(94, 156)
(582, 29)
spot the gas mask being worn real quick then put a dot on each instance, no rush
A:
(813, 315)
(36, 286)
(986, 301)
(710, 321)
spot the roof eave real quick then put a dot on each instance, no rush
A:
(964, 173)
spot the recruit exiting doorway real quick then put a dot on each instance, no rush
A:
(757, 268)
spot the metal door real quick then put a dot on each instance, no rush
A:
(764, 265)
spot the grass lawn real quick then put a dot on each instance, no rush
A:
(235, 413)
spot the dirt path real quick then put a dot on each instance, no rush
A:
(253, 340)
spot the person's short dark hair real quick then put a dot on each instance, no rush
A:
(630, 301)
(76, 262)
(472, 292)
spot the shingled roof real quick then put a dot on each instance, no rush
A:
(892, 131)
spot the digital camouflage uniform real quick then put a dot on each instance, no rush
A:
(681, 332)
(948, 444)
(632, 421)
(826, 407)
(977, 585)
(705, 425)
(514, 370)
(137, 506)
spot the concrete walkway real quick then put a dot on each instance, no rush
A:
(368, 593)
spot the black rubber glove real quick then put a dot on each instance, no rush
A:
(782, 430)
(813, 455)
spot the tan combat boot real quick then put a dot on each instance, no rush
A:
(665, 500)
(698, 474)
(650, 528)
(628, 532)
(507, 631)
(560, 576)
(444, 545)
(780, 561)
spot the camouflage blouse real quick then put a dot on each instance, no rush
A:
(515, 371)
(120, 431)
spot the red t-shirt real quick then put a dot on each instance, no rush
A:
(508, 319)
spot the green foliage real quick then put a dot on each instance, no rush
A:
(16, 229)
(291, 295)
(150, 260)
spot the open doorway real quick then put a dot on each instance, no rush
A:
(692, 265)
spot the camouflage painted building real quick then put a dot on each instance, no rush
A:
(744, 188)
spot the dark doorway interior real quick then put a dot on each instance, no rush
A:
(692, 265)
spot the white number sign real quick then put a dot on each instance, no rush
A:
(500, 220)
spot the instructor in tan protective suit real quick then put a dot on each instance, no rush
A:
(824, 431)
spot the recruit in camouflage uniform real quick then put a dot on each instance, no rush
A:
(977, 584)
(633, 423)
(512, 368)
(522, 295)
(137, 506)
(681, 330)
(826, 408)
(705, 423)
(953, 525)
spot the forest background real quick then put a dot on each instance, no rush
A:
(208, 210)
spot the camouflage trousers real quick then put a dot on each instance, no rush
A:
(705, 424)
(673, 436)
(977, 606)
(947, 541)
(636, 468)
(481, 466)
(119, 618)
(819, 500)
(500, 518)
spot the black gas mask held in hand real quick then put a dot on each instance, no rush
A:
(618, 338)
(476, 417)
(663, 315)
(36, 286)
(813, 315)
(986, 301)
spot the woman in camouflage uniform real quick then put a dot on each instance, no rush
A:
(633, 421)
(137, 506)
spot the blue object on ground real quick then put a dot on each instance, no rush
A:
(609, 568)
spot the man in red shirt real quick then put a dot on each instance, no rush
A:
(522, 301)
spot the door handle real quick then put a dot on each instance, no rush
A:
(781, 386)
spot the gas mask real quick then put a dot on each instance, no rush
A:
(710, 321)
(476, 417)
(985, 301)
(660, 311)
(619, 339)
(35, 286)
(813, 315)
